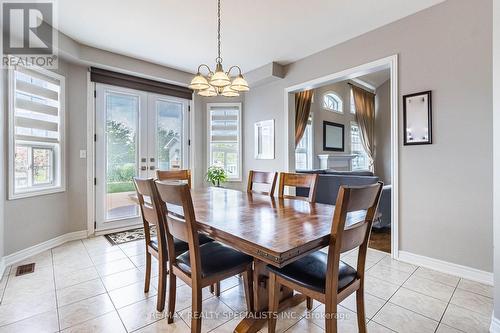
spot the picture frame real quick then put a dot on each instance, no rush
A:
(417, 119)
(333, 136)
(264, 139)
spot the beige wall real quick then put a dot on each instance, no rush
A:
(320, 114)
(382, 161)
(445, 188)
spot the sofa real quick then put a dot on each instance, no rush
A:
(331, 180)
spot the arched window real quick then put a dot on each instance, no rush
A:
(332, 102)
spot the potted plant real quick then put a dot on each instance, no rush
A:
(216, 175)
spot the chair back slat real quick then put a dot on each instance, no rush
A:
(353, 236)
(143, 186)
(361, 198)
(260, 177)
(305, 180)
(181, 175)
(177, 227)
(170, 192)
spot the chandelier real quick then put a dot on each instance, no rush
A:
(218, 82)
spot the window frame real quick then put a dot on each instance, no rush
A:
(309, 150)
(240, 146)
(331, 92)
(353, 123)
(58, 159)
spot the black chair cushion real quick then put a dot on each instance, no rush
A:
(215, 258)
(310, 272)
(181, 246)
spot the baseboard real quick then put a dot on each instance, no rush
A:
(447, 267)
(39, 248)
(495, 325)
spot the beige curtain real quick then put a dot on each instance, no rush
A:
(364, 103)
(302, 111)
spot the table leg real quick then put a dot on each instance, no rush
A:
(255, 321)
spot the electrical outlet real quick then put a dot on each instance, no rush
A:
(83, 154)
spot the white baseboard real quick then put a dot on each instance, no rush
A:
(39, 248)
(495, 325)
(447, 267)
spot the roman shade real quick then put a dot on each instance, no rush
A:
(139, 83)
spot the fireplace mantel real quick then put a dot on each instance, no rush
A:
(341, 162)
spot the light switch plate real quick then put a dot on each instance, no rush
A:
(83, 154)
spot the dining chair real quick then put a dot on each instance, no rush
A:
(148, 199)
(201, 265)
(307, 180)
(260, 177)
(184, 175)
(323, 276)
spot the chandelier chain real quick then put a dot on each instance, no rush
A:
(219, 59)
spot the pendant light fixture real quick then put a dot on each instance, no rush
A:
(218, 82)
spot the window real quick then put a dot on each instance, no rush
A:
(36, 132)
(304, 150)
(361, 161)
(352, 104)
(224, 138)
(332, 102)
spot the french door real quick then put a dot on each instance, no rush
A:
(136, 133)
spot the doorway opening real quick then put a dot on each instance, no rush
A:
(339, 149)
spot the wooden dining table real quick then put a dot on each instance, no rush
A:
(273, 231)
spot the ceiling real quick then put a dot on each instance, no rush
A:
(376, 79)
(182, 34)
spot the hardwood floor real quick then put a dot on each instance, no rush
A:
(381, 240)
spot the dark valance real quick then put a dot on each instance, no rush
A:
(139, 83)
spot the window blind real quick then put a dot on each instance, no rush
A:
(139, 83)
(225, 138)
(37, 106)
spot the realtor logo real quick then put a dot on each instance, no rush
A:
(28, 34)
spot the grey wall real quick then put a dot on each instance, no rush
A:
(496, 156)
(446, 187)
(30, 221)
(382, 161)
(320, 114)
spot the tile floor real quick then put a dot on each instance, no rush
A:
(91, 286)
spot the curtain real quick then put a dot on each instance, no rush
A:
(364, 103)
(302, 111)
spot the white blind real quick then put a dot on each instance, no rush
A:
(224, 138)
(224, 122)
(37, 107)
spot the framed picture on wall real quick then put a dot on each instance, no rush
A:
(417, 118)
(333, 136)
(264, 140)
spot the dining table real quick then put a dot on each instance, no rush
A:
(274, 231)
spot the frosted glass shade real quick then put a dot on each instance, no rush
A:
(240, 84)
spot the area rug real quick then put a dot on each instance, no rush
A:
(122, 237)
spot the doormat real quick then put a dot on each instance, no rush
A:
(122, 237)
